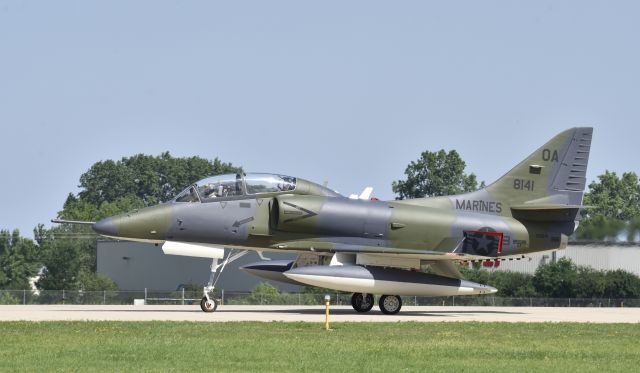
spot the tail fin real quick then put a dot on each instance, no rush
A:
(548, 185)
(553, 175)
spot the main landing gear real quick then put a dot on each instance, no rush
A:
(389, 304)
(362, 302)
(209, 304)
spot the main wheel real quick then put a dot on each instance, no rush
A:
(208, 304)
(362, 303)
(390, 304)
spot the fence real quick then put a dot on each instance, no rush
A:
(183, 297)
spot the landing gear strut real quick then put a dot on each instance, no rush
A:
(208, 304)
(362, 302)
(390, 304)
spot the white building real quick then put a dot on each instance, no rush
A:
(598, 255)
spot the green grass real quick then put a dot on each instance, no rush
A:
(280, 347)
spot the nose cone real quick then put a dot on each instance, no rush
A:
(149, 223)
(106, 227)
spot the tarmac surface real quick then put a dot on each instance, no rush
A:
(316, 314)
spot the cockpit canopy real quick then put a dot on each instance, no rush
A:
(233, 185)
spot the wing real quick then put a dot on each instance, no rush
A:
(321, 247)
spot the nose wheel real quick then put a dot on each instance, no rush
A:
(362, 302)
(208, 304)
(390, 304)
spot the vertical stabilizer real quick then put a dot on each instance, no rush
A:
(555, 174)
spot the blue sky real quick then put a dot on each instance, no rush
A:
(348, 92)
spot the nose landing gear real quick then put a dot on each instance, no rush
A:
(207, 303)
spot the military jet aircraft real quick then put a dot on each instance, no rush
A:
(366, 246)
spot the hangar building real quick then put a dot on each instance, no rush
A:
(137, 266)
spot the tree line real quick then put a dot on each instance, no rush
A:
(560, 279)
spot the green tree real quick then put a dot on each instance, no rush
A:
(63, 265)
(68, 253)
(8, 298)
(18, 260)
(91, 281)
(591, 283)
(615, 206)
(435, 174)
(69, 264)
(264, 293)
(556, 280)
(76, 208)
(614, 197)
(513, 284)
(150, 179)
(622, 284)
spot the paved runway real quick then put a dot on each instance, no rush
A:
(316, 314)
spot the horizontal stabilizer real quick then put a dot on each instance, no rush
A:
(547, 207)
(547, 213)
(271, 270)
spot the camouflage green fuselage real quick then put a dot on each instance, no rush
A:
(324, 223)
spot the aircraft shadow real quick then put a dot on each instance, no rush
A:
(137, 311)
(319, 311)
